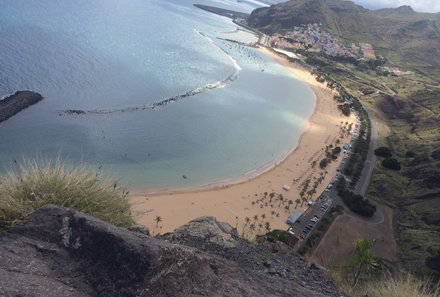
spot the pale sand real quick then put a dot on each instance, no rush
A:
(232, 203)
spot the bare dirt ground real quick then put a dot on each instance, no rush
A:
(334, 249)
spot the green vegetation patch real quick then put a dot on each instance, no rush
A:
(282, 236)
(383, 151)
(391, 163)
(34, 184)
(356, 203)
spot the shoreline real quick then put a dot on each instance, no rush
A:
(234, 200)
(246, 177)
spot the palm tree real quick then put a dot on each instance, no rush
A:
(260, 226)
(255, 217)
(267, 226)
(252, 227)
(272, 213)
(281, 198)
(265, 194)
(297, 201)
(271, 195)
(158, 219)
(247, 220)
(304, 199)
(361, 258)
(289, 204)
(263, 216)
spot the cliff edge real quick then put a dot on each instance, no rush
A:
(60, 252)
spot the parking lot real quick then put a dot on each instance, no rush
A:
(307, 222)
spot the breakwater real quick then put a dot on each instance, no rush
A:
(13, 104)
(160, 103)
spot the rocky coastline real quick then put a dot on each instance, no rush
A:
(60, 252)
(13, 104)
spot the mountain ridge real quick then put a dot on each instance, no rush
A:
(403, 36)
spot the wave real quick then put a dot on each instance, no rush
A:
(164, 102)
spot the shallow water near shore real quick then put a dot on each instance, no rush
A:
(115, 56)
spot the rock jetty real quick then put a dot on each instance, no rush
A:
(15, 103)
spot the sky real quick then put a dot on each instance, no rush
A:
(417, 5)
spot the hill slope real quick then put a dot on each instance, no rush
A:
(402, 35)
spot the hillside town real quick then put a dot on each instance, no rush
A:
(313, 39)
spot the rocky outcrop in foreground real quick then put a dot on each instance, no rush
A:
(60, 252)
(15, 103)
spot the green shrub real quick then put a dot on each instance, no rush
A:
(34, 184)
(391, 163)
(383, 152)
(356, 203)
(345, 109)
(323, 163)
(410, 154)
(335, 152)
(435, 155)
(282, 236)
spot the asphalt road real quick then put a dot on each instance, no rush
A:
(365, 178)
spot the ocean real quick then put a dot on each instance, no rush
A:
(221, 110)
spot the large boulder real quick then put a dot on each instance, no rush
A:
(207, 230)
(60, 252)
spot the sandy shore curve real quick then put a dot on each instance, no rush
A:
(235, 201)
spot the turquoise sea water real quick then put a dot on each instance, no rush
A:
(119, 56)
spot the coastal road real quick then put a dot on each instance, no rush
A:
(365, 178)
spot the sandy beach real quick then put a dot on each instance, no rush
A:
(234, 202)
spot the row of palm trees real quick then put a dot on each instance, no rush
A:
(306, 194)
(346, 128)
(252, 226)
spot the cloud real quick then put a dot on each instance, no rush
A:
(417, 5)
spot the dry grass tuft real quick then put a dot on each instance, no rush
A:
(407, 286)
(34, 184)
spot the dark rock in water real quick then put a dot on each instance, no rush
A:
(60, 252)
(15, 103)
(74, 111)
(184, 176)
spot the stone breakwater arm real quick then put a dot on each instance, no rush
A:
(15, 103)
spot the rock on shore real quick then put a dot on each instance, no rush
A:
(60, 252)
(15, 103)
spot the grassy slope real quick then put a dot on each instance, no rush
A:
(34, 184)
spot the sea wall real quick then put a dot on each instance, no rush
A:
(13, 104)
